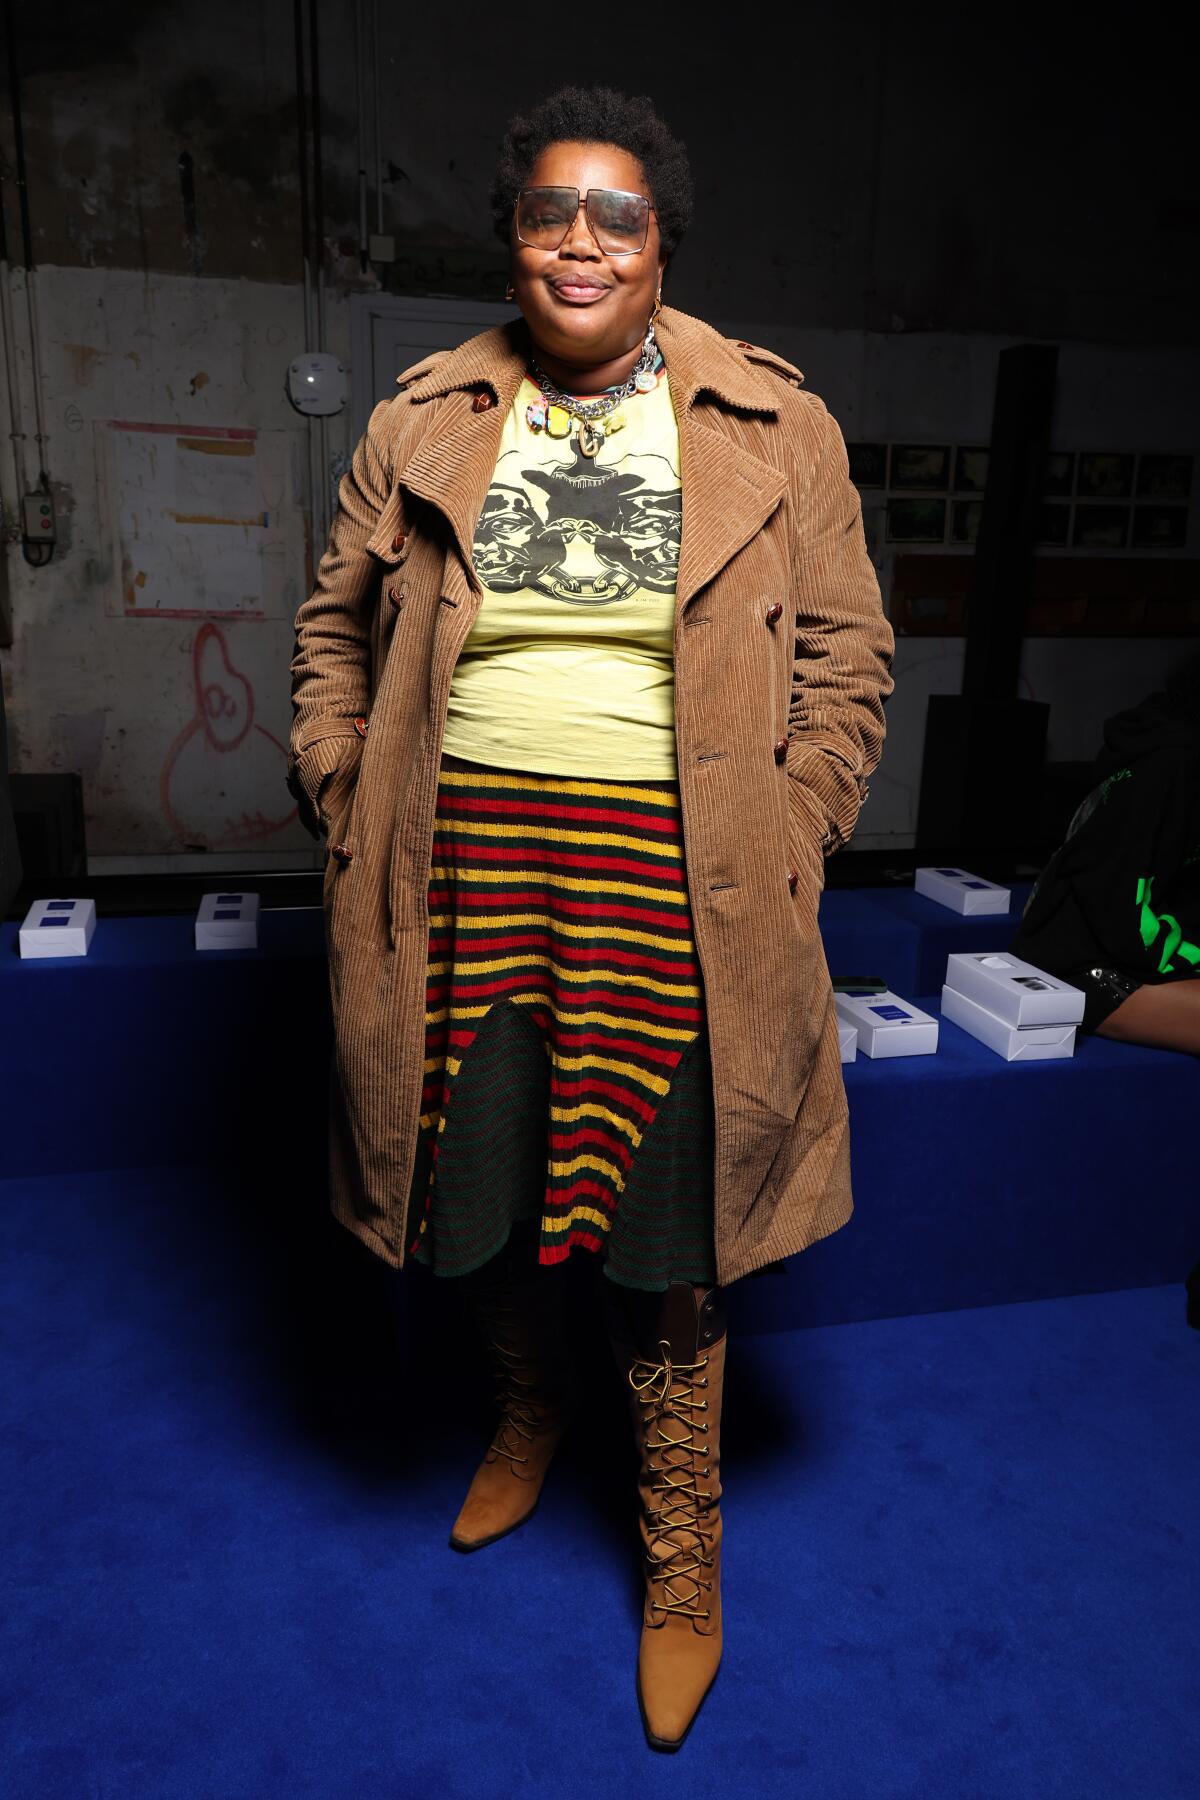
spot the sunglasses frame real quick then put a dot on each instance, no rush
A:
(582, 198)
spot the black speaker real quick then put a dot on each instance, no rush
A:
(982, 774)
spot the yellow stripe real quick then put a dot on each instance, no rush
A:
(565, 1115)
(549, 878)
(588, 1160)
(657, 1084)
(599, 972)
(555, 1227)
(508, 921)
(600, 790)
(561, 835)
(618, 1022)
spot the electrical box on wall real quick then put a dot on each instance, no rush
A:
(37, 519)
(316, 383)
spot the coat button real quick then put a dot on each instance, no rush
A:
(399, 541)
(341, 853)
(395, 596)
(781, 751)
(774, 612)
(793, 878)
(360, 725)
(482, 403)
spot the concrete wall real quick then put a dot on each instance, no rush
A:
(887, 205)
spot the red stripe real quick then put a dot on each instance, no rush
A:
(601, 816)
(442, 944)
(502, 900)
(535, 863)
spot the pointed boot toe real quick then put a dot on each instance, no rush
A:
(519, 1310)
(676, 1668)
(673, 1355)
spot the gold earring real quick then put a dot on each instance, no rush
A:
(657, 308)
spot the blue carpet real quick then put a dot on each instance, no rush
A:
(962, 1552)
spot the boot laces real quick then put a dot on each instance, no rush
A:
(678, 1542)
(528, 1396)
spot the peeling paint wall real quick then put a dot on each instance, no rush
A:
(176, 723)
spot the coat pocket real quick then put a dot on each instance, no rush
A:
(806, 857)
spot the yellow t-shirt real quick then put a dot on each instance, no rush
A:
(569, 667)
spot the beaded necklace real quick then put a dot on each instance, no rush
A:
(560, 414)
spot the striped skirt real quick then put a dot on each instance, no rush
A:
(567, 1074)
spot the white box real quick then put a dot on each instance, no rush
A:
(1014, 991)
(58, 928)
(961, 891)
(887, 1025)
(227, 921)
(847, 1040)
(1015, 1043)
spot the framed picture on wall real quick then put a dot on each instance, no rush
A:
(923, 467)
(1104, 475)
(970, 470)
(1164, 477)
(1059, 477)
(868, 465)
(1100, 527)
(916, 521)
(1159, 527)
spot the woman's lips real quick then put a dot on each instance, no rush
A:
(579, 293)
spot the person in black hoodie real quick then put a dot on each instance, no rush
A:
(1116, 910)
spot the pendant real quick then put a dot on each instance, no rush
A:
(615, 421)
(591, 436)
(535, 415)
(558, 422)
(645, 381)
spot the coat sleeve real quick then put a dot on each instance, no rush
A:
(841, 675)
(331, 666)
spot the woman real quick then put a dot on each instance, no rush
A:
(1116, 910)
(591, 682)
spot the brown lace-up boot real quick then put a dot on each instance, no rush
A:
(671, 1348)
(520, 1309)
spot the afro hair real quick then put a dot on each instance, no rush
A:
(597, 115)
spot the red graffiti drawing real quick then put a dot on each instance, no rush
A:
(222, 760)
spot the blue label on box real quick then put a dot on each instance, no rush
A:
(60, 906)
(953, 873)
(227, 915)
(44, 922)
(979, 884)
(229, 899)
(891, 1012)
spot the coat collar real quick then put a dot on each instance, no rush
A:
(698, 359)
(728, 492)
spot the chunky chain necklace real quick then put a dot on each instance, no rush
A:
(559, 414)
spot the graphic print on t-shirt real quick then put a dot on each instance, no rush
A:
(577, 529)
(569, 664)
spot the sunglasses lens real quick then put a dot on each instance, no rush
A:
(618, 220)
(545, 215)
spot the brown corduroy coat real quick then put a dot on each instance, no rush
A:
(779, 722)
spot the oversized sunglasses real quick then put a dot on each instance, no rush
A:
(619, 222)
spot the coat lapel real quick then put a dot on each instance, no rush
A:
(728, 495)
(728, 492)
(454, 463)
